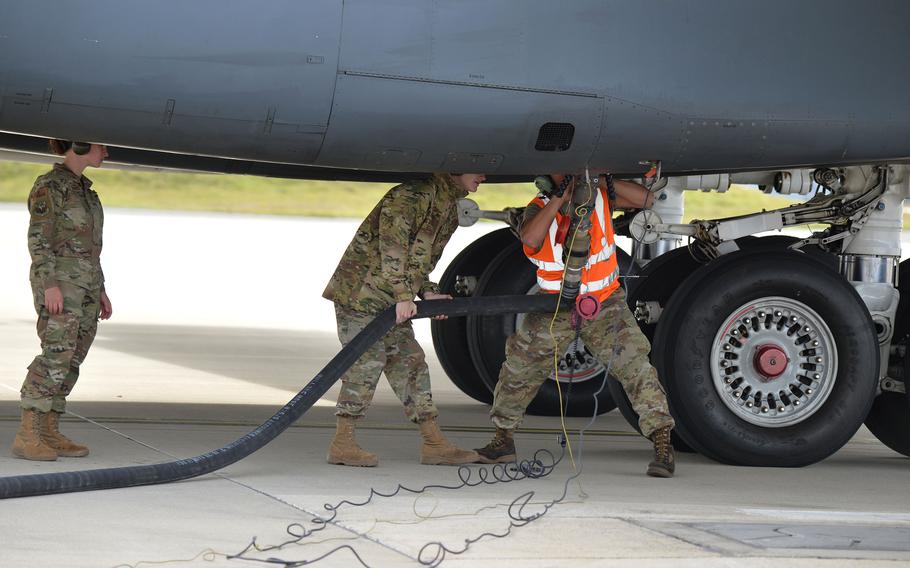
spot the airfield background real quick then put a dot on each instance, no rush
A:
(270, 196)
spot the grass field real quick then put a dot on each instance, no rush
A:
(256, 195)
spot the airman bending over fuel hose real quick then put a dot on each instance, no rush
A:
(607, 326)
(388, 263)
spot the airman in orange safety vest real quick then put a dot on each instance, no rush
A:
(612, 334)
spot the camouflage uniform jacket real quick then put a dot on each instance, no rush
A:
(64, 233)
(397, 246)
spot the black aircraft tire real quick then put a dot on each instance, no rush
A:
(831, 409)
(656, 282)
(889, 419)
(662, 277)
(487, 338)
(779, 242)
(450, 336)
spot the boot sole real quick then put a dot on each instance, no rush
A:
(659, 472)
(21, 455)
(511, 458)
(435, 461)
(72, 454)
(351, 464)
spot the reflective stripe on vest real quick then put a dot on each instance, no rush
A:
(554, 285)
(556, 265)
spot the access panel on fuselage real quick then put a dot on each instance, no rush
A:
(452, 85)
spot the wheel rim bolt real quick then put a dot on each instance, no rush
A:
(764, 409)
(818, 359)
(749, 404)
(735, 332)
(793, 318)
(816, 376)
(806, 329)
(815, 343)
(726, 347)
(778, 313)
(724, 363)
(728, 380)
(736, 393)
(808, 391)
(796, 403)
(761, 314)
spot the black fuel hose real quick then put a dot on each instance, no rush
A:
(112, 478)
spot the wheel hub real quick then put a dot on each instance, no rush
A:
(770, 361)
(577, 364)
(774, 362)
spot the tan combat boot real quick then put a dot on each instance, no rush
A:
(664, 463)
(50, 433)
(436, 450)
(28, 443)
(501, 448)
(344, 449)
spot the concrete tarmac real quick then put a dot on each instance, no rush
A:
(218, 322)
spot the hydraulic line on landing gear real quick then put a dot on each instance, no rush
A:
(131, 476)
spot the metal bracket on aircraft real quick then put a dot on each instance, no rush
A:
(888, 384)
(647, 312)
(465, 285)
(647, 227)
(469, 213)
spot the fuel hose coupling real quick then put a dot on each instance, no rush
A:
(583, 197)
(587, 306)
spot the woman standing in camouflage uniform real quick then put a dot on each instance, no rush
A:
(387, 264)
(64, 240)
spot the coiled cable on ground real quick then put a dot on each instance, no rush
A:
(132, 476)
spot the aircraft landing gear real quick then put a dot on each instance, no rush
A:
(450, 337)
(655, 284)
(889, 419)
(472, 349)
(769, 358)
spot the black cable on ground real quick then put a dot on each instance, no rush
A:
(111, 478)
(431, 554)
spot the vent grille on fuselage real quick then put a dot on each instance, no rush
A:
(554, 137)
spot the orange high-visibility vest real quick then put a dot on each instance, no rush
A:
(600, 275)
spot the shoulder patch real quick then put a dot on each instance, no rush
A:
(39, 203)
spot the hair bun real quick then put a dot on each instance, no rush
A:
(59, 147)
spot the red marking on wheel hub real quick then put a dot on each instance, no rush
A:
(771, 361)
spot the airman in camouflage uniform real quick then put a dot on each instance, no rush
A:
(387, 264)
(64, 239)
(612, 336)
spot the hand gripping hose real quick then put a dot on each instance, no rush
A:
(112, 478)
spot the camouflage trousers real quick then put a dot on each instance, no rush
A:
(613, 337)
(398, 355)
(65, 341)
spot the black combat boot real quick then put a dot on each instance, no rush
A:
(501, 448)
(664, 463)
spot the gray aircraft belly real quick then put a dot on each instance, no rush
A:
(506, 87)
(209, 77)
